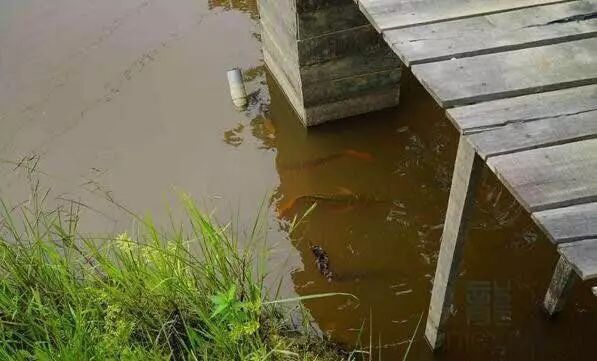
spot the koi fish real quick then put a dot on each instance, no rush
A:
(286, 206)
(348, 199)
(312, 163)
(269, 129)
(359, 155)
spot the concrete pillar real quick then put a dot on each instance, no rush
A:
(467, 170)
(329, 61)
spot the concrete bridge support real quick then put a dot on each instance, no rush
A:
(330, 62)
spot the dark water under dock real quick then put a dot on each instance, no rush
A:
(128, 100)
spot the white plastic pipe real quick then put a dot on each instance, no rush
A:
(237, 88)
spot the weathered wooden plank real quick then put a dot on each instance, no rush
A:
(282, 15)
(559, 287)
(372, 100)
(582, 255)
(327, 20)
(518, 72)
(313, 5)
(542, 25)
(497, 113)
(519, 136)
(293, 94)
(551, 177)
(279, 32)
(569, 224)
(350, 65)
(357, 40)
(350, 87)
(391, 14)
(285, 55)
(464, 182)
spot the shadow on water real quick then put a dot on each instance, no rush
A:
(248, 6)
(381, 183)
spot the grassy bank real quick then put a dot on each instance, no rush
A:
(188, 294)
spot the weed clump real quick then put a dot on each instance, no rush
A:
(192, 294)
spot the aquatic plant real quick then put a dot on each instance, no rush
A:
(192, 293)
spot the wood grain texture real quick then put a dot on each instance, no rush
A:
(358, 40)
(391, 14)
(559, 287)
(569, 224)
(519, 136)
(497, 113)
(542, 25)
(335, 18)
(508, 74)
(464, 182)
(351, 65)
(350, 87)
(582, 255)
(551, 177)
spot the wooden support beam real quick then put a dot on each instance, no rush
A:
(464, 180)
(561, 283)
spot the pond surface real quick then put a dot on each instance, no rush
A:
(128, 101)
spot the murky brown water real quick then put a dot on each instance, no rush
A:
(128, 100)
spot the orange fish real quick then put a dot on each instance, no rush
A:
(359, 155)
(285, 207)
(345, 198)
(312, 163)
(269, 128)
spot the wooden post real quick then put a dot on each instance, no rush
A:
(464, 180)
(561, 283)
(329, 61)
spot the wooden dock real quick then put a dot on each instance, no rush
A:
(517, 78)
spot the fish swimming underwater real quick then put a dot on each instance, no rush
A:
(312, 163)
(359, 155)
(343, 197)
(323, 262)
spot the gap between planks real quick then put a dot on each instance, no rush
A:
(430, 11)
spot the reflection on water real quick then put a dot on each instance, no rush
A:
(248, 6)
(380, 181)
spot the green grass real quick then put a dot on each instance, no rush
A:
(191, 293)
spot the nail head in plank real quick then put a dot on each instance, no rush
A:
(519, 136)
(582, 255)
(389, 14)
(508, 74)
(551, 177)
(487, 115)
(541, 25)
(568, 224)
